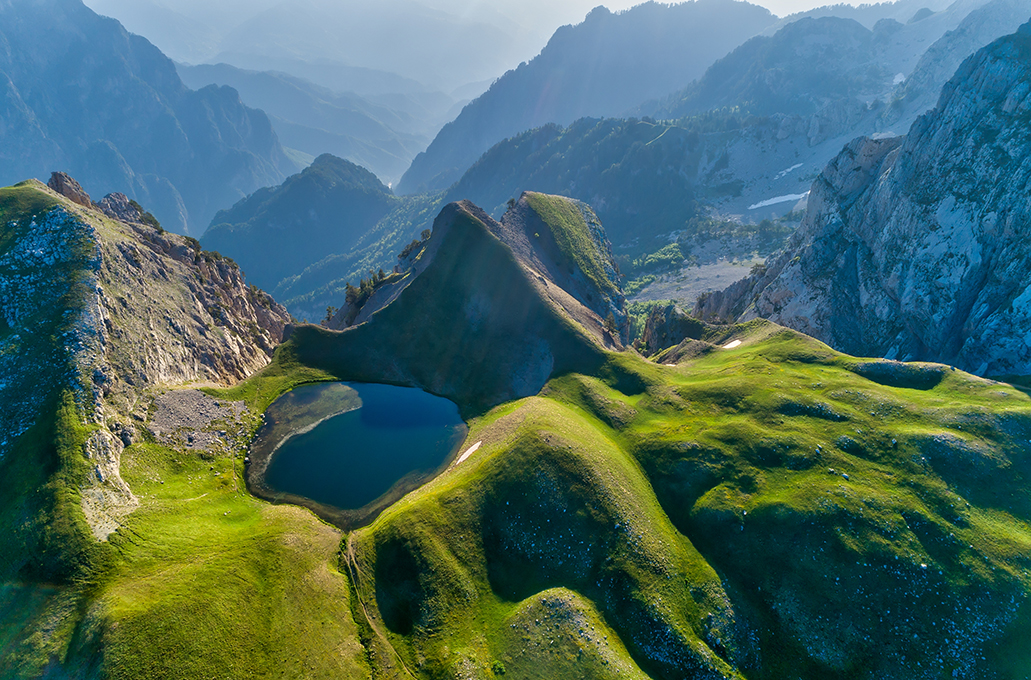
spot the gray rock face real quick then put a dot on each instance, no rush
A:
(983, 25)
(916, 248)
(117, 206)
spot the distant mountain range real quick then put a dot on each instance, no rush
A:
(81, 94)
(756, 126)
(796, 71)
(654, 182)
(603, 66)
(315, 120)
(366, 46)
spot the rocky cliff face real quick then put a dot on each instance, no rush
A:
(920, 91)
(915, 248)
(113, 311)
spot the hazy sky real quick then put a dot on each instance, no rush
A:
(564, 11)
(575, 10)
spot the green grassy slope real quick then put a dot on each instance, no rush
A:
(774, 510)
(568, 223)
(201, 580)
(761, 512)
(209, 581)
(46, 550)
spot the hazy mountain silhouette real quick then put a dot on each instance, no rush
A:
(601, 67)
(82, 94)
(316, 120)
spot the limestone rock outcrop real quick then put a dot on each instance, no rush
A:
(916, 247)
(118, 206)
(63, 184)
(111, 312)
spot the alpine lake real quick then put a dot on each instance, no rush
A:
(350, 450)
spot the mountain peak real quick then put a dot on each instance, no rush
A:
(488, 311)
(184, 153)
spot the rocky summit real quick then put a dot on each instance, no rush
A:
(916, 247)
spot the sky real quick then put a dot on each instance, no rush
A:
(575, 10)
(564, 11)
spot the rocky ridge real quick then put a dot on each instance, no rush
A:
(480, 318)
(131, 311)
(542, 252)
(919, 92)
(913, 248)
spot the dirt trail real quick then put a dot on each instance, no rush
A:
(352, 567)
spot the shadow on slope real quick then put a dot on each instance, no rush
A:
(470, 322)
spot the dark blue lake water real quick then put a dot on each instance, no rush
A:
(350, 460)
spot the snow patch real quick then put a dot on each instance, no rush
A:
(777, 199)
(732, 345)
(783, 173)
(470, 451)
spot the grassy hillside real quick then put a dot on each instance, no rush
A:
(578, 239)
(767, 510)
(208, 580)
(200, 580)
(761, 512)
(44, 539)
(770, 510)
